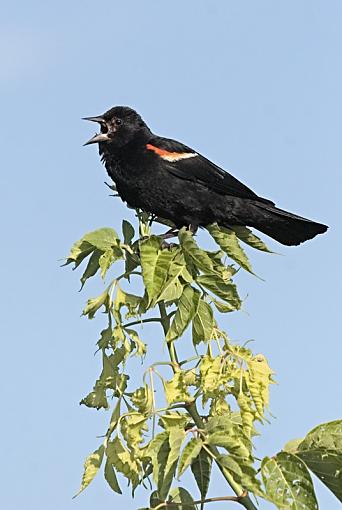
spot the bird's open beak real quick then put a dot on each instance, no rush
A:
(100, 137)
(98, 119)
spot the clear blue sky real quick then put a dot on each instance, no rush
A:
(253, 85)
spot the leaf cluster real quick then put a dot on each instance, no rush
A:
(187, 414)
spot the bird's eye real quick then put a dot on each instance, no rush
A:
(118, 122)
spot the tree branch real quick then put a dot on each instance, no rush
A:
(241, 495)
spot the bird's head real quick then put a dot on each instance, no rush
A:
(119, 126)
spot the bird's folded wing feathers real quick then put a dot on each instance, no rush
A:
(184, 163)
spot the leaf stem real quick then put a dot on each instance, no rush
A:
(165, 322)
(153, 402)
(142, 321)
(128, 273)
(241, 496)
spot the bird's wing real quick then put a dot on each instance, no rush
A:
(184, 163)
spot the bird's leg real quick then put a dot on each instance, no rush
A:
(168, 246)
(193, 228)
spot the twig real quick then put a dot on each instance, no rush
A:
(237, 499)
(142, 321)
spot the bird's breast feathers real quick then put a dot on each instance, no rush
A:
(171, 156)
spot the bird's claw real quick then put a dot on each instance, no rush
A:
(168, 246)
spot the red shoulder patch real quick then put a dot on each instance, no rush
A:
(170, 156)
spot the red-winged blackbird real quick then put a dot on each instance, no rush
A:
(168, 179)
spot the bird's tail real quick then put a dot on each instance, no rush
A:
(283, 226)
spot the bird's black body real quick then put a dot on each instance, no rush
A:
(170, 180)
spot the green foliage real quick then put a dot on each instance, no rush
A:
(201, 469)
(186, 311)
(288, 483)
(203, 324)
(229, 243)
(321, 450)
(190, 454)
(188, 413)
(247, 236)
(91, 466)
(180, 495)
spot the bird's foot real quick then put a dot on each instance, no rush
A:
(168, 246)
(193, 228)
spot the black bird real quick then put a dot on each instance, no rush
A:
(172, 181)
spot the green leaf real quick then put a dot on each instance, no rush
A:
(189, 454)
(96, 399)
(109, 379)
(174, 419)
(203, 323)
(190, 249)
(249, 480)
(210, 374)
(228, 242)
(225, 291)
(106, 260)
(155, 264)
(130, 301)
(321, 450)
(92, 266)
(182, 496)
(142, 398)
(104, 247)
(131, 263)
(132, 427)
(327, 435)
(177, 275)
(110, 477)
(219, 424)
(158, 450)
(228, 462)
(91, 466)
(114, 418)
(201, 469)
(292, 446)
(105, 339)
(258, 379)
(247, 236)
(127, 231)
(235, 443)
(79, 251)
(327, 466)
(176, 390)
(94, 304)
(222, 307)
(288, 482)
(187, 309)
(138, 343)
(102, 239)
(224, 432)
(124, 461)
(154, 501)
(242, 472)
(176, 438)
